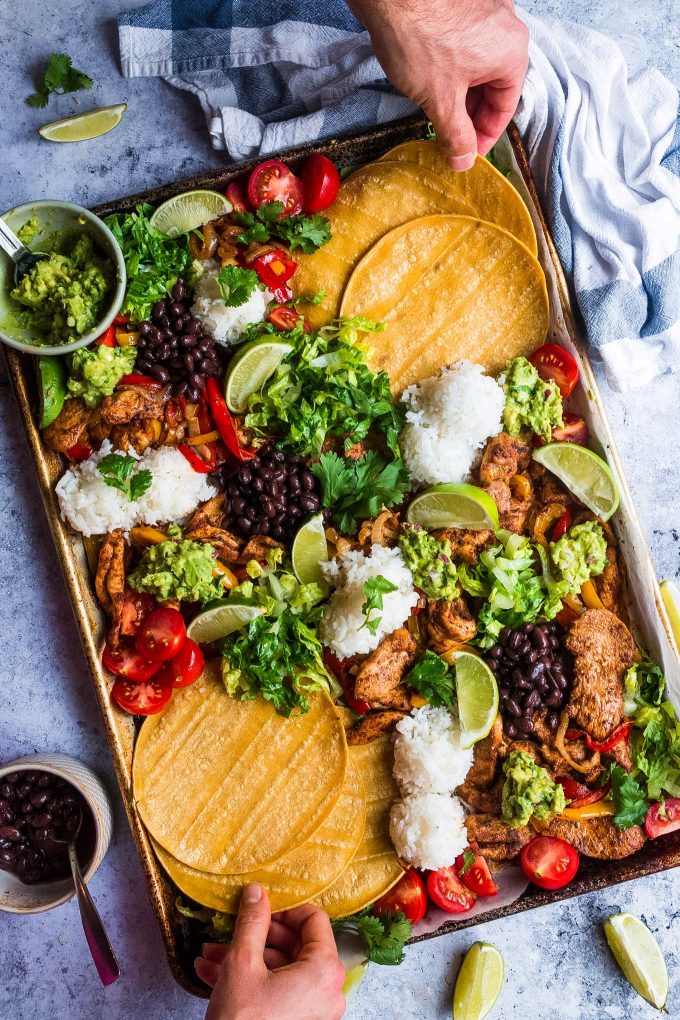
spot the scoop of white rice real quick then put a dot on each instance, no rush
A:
(223, 322)
(428, 757)
(92, 507)
(342, 627)
(450, 416)
(428, 830)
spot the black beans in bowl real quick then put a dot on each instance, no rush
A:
(534, 673)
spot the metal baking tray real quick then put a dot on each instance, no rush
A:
(650, 619)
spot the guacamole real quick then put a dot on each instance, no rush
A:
(429, 560)
(580, 554)
(96, 371)
(529, 791)
(530, 402)
(27, 232)
(177, 569)
(63, 295)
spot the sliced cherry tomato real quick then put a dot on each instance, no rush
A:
(574, 430)
(161, 634)
(137, 379)
(621, 732)
(136, 605)
(121, 320)
(663, 817)
(579, 795)
(128, 663)
(448, 893)
(477, 878)
(273, 181)
(284, 318)
(145, 698)
(408, 896)
(79, 452)
(237, 193)
(561, 526)
(108, 338)
(549, 862)
(321, 183)
(224, 422)
(552, 362)
(185, 667)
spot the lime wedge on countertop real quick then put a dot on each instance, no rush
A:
(309, 551)
(671, 598)
(584, 473)
(638, 955)
(52, 373)
(189, 211)
(84, 126)
(218, 621)
(353, 957)
(453, 506)
(479, 982)
(477, 693)
(249, 370)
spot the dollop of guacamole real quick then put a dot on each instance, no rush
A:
(429, 560)
(529, 791)
(530, 402)
(27, 232)
(580, 554)
(177, 569)
(96, 371)
(64, 294)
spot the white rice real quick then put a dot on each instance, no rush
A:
(449, 419)
(428, 830)
(342, 627)
(428, 757)
(223, 322)
(92, 507)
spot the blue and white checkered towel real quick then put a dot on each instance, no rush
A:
(604, 144)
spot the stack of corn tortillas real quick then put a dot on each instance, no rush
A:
(447, 260)
(231, 792)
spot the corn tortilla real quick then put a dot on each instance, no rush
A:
(229, 786)
(448, 287)
(375, 867)
(488, 191)
(300, 875)
(374, 200)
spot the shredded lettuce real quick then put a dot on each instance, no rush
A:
(655, 740)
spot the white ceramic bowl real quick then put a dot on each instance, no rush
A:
(17, 898)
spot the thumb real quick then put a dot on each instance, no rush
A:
(456, 133)
(252, 923)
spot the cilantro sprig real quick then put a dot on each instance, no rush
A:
(59, 76)
(236, 285)
(384, 937)
(118, 471)
(629, 798)
(468, 861)
(433, 680)
(357, 490)
(374, 589)
(306, 232)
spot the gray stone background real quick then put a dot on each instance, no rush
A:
(557, 963)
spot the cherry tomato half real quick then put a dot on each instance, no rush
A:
(549, 862)
(129, 664)
(273, 181)
(161, 634)
(237, 193)
(145, 698)
(574, 430)
(136, 605)
(448, 893)
(284, 318)
(185, 667)
(552, 362)
(663, 817)
(408, 896)
(477, 878)
(321, 183)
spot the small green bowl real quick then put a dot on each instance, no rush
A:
(52, 217)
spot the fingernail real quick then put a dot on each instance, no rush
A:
(464, 162)
(252, 894)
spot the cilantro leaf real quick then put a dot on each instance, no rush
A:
(236, 285)
(265, 224)
(468, 861)
(384, 937)
(117, 470)
(59, 76)
(432, 678)
(140, 483)
(359, 489)
(374, 589)
(629, 798)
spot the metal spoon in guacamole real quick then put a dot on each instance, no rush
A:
(23, 258)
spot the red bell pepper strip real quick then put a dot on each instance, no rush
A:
(137, 379)
(274, 268)
(578, 794)
(573, 734)
(224, 422)
(562, 525)
(107, 339)
(282, 294)
(337, 667)
(79, 452)
(197, 463)
(121, 320)
(620, 733)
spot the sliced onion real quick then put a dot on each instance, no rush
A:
(560, 746)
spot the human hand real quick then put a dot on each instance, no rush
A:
(284, 967)
(462, 61)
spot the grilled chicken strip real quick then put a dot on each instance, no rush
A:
(109, 581)
(69, 427)
(227, 546)
(504, 456)
(257, 548)
(466, 544)
(372, 725)
(598, 837)
(210, 513)
(379, 677)
(449, 623)
(497, 841)
(603, 649)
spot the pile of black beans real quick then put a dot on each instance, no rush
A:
(174, 348)
(37, 811)
(534, 673)
(269, 495)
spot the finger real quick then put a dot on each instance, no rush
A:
(280, 936)
(494, 110)
(455, 131)
(207, 971)
(215, 951)
(313, 924)
(274, 959)
(252, 923)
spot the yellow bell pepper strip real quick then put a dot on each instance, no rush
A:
(599, 809)
(125, 339)
(520, 486)
(545, 519)
(207, 437)
(590, 596)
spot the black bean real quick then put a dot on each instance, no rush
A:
(193, 395)
(196, 380)
(158, 309)
(8, 791)
(160, 373)
(536, 670)
(193, 326)
(245, 523)
(245, 476)
(514, 707)
(532, 701)
(8, 860)
(10, 833)
(552, 720)
(511, 730)
(554, 699)
(257, 484)
(188, 361)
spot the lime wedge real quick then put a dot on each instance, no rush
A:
(353, 978)
(479, 982)
(249, 370)
(189, 211)
(310, 551)
(584, 473)
(454, 506)
(638, 955)
(220, 620)
(52, 388)
(671, 597)
(84, 125)
(477, 693)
